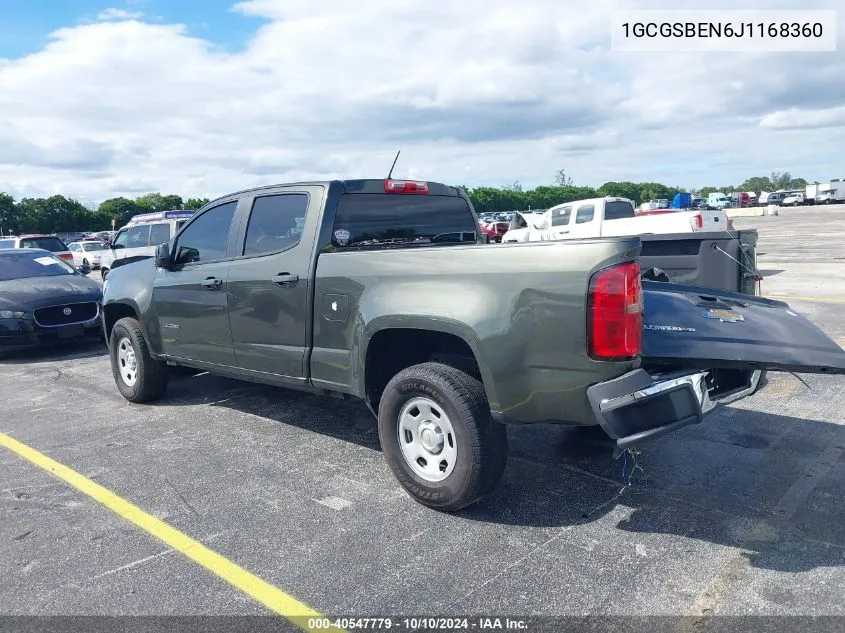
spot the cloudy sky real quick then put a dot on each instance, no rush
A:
(201, 98)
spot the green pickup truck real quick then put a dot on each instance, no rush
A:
(386, 290)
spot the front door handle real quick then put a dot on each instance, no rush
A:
(212, 282)
(285, 278)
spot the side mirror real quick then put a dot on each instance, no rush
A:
(163, 257)
(186, 255)
(85, 269)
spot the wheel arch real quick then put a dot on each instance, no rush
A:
(391, 344)
(116, 310)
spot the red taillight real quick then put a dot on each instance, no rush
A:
(696, 222)
(68, 257)
(615, 330)
(405, 186)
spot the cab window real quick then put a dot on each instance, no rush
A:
(560, 217)
(275, 223)
(584, 214)
(159, 234)
(138, 236)
(206, 237)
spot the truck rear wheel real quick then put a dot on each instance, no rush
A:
(139, 377)
(438, 437)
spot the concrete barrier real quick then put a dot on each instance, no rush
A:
(746, 212)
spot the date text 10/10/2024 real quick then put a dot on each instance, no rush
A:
(417, 624)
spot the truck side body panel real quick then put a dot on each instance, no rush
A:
(521, 309)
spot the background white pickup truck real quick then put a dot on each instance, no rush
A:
(612, 217)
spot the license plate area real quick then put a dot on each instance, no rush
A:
(70, 331)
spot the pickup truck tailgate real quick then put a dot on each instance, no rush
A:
(691, 327)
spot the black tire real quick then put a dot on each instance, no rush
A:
(104, 272)
(481, 444)
(150, 374)
(85, 262)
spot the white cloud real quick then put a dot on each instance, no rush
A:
(796, 118)
(119, 14)
(473, 92)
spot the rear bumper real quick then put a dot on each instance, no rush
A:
(639, 406)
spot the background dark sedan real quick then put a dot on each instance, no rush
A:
(44, 301)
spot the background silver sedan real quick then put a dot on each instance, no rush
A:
(87, 252)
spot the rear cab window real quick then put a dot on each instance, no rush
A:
(372, 220)
(7, 243)
(52, 244)
(618, 210)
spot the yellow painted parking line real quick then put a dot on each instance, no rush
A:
(272, 597)
(806, 298)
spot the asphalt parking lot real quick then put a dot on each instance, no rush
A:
(743, 514)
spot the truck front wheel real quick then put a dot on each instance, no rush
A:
(438, 437)
(139, 377)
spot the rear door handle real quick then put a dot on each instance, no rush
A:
(212, 282)
(285, 278)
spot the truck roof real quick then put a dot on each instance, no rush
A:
(592, 201)
(360, 185)
(158, 216)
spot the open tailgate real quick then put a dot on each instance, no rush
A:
(691, 327)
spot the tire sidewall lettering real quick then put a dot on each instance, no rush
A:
(406, 390)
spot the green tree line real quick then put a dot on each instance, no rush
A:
(58, 214)
(513, 197)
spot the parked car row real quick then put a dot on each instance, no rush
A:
(495, 226)
(45, 300)
(610, 216)
(51, 243)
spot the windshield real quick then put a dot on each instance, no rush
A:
(93, 246)
(21, 265)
